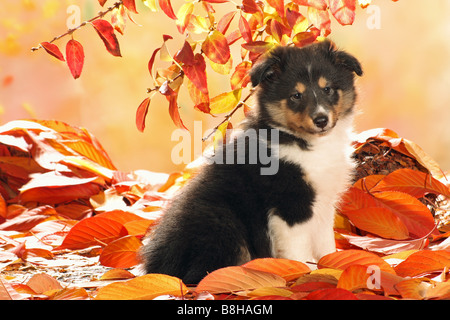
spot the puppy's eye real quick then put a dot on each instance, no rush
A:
(328, 90)
(296, 96)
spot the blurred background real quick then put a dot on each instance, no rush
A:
(403, 46)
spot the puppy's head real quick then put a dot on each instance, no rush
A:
(306, 90)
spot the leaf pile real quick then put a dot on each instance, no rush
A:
(71, 226)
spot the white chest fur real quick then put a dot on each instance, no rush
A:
(327, 167)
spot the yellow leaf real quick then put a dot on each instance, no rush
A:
(270, 291)
(225, 102)
(145, 287)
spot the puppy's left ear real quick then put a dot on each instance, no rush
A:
(268, 68)
(342, 58)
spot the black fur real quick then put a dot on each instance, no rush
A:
(220, 217)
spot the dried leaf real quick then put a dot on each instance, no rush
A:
(234, 279)
(41, 283)
(145, 287)
(353, 278)
(106, 32)
(331, 294)
(423, 262)
(121, 253)
(288, 269)
(75, 57)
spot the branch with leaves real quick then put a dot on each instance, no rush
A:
(261, 25)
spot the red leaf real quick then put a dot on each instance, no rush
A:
(259, 47)
(173, 111)
(75, 57)
(152, 61)
(216, 47)
(106, 32)
(302, 39)
(197, 73)
(318, 4)
(224, 22)
(121, 253)
(422, 262)
(53, 50)
(331, 294)
(166, 6)
(278, 5)
(245, 30)
(277, 30)
(141, 114)
(130, 5)
(102, 2)
(184, 16)
(250, 6)
(185, 55)
(343, 11)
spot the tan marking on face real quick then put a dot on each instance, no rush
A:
(300, 87)
(322, 82)
(298, 122)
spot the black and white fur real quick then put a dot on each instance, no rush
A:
(230, 213)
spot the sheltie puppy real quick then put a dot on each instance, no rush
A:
(233, 210)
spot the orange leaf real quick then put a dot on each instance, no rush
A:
(422, 262)
(184, 16)
(379, 221)
(302, 39)
(225, 102)
(166, 7)
(145, 287)
(106, 32)
(278, 5)
(288, 269)
(353, 278)
(216, 47)
(53, 50)
(117, 274)
(412, 289)
(75, 57)
(342, 259)
(121, 253)
(413, 213)
(92, 231)
(413, 182)
(245, 30)
(41, 283)
(321, 19)
(343, 11)
(240, 77)
(173, 111)
(234, 279)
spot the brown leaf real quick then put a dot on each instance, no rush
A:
(106, 32)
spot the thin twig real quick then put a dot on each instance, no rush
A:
(228, 116)
(70, 31)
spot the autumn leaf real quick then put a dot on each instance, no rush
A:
(318, 4)
(250, 6)
(197, 73)
(166, 7)
(121, 253)
(216, 47)
(183, 16)
(40, 283)
(53, 50)
(130, 5)
(241, 77)
(225, 102)
(185, 55)
(145, 287)
(106, 32)
(343, 11)
(245, 30)
(174, 112)
(379, 221)
(288, 269)
(75, 57)
(278, 5)
(320, 19)
(423, 262)
(234, 279)
(353, 278)
(225, 21)
(331, 294)
(342, 259)
(141, 114)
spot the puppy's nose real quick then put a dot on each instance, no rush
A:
(321, 121)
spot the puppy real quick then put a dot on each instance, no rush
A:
(233, 211)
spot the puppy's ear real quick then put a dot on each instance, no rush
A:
(342, 58)
(267, 69)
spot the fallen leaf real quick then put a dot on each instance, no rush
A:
(145, 287)
(41, 283)
(331, 294)
(288, 269)
(121, 253)
(353, 278)
(423, 262)
(236, 278)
